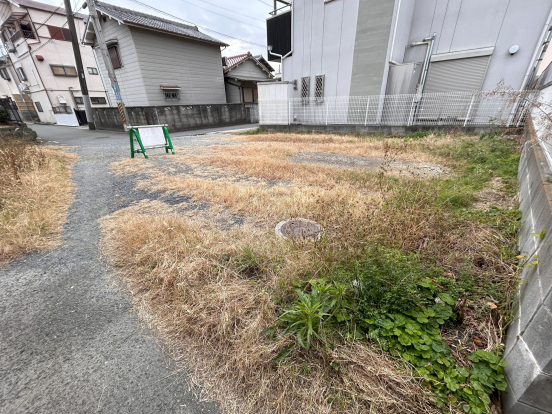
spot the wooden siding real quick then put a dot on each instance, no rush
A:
(233, 93)
(129, 75)
(248, 70)
(194, 66)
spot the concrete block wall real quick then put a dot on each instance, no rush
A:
(528, 348)
(179, 117)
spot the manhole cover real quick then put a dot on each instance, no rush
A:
(299, 228)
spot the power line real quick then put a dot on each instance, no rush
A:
(232, 11)
(201, 27)
(271, 5)
(223, 15)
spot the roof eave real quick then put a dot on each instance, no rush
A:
(174, 34)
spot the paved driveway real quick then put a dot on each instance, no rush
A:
(69, 342)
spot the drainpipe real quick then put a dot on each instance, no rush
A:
(429, 42)
(421, 85)
(291, 50)
(394, 35)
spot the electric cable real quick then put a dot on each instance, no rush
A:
(232, 11)
(223, 15)
(201, 27)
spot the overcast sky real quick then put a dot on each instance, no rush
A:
(242, 19)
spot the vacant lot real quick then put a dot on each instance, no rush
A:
(399, 308)
(35, 193)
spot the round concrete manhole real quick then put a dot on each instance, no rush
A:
(299, 228)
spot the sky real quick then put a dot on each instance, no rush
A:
(242, 19)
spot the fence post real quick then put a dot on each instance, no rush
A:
(469, 110)
(366, 116)
(327, 109)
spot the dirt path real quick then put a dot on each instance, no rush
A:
(69, 342)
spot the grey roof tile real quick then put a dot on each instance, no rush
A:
(133, 17)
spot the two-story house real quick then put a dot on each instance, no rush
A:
(39, 71)
(158, 61)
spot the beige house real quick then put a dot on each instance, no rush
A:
(38, 70)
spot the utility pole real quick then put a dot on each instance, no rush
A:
(107, 61)
(80, 69)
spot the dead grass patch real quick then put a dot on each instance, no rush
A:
(35, 193)
(182, 279)
(211, 289)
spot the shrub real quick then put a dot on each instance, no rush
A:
(4, 116)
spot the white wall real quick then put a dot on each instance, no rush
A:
(324, 39)
(472, 24)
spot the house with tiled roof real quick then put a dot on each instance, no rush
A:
(241, 74)
(158, 61)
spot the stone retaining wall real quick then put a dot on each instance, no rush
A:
(528, 350)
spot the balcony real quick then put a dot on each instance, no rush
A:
(27, 34)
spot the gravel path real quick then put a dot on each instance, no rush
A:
(69, 342)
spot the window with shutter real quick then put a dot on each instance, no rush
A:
(114, 55)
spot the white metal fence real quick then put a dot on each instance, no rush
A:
(450, 108)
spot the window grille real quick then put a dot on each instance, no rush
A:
(319, 88)
(172, 95)
(79, 100)
(305, 88)
(38, 107)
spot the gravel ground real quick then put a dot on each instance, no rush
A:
(69, 342)
(370, 163)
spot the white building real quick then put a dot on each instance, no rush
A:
(40, 64)
(377, 47)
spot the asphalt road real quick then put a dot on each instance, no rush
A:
(69, 341)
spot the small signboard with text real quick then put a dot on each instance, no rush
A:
(148, 137)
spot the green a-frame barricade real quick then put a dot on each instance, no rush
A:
(153, 139)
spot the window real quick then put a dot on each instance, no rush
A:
(38, 107)
(114, 55)
(4, 73)
(79, 100)
(305, 88)
(92, 71)
(60, 70)
(59, 33)
(62, 110)
(319, 88)
(98, 100)
(21, 74)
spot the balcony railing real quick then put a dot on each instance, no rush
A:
(27, 34)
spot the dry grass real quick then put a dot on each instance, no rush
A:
(210, 317)
(35, 193)
(181, 267)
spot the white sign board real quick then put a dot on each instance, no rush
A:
(151, 137)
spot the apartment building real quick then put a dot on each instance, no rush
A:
(38, 69)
